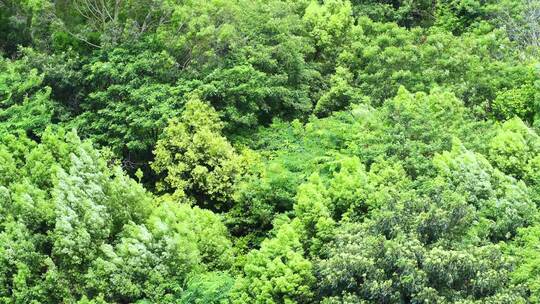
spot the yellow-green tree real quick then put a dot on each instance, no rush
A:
(195, 159)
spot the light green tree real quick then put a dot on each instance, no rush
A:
(277, 272)
(196, 161)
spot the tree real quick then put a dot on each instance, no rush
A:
(195, 159)
(521, 23)
(25, 104)
(340, 95)
(330, 27)
(514, 147)
(276, 273)
(519, 101)
(384, 56)
(154, 260)
(77, 228)
(311, 210)
(414, 135)
(406, 13)
(370, 267)
(212, 288)
(22, 22)
(66, 201)
(128, 103)
(524, 251)
(503, 203)
(514, 150)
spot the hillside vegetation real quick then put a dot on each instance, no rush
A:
(269, 151)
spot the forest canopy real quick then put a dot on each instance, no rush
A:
(269, 151)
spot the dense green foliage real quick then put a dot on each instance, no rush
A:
(269, 151)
